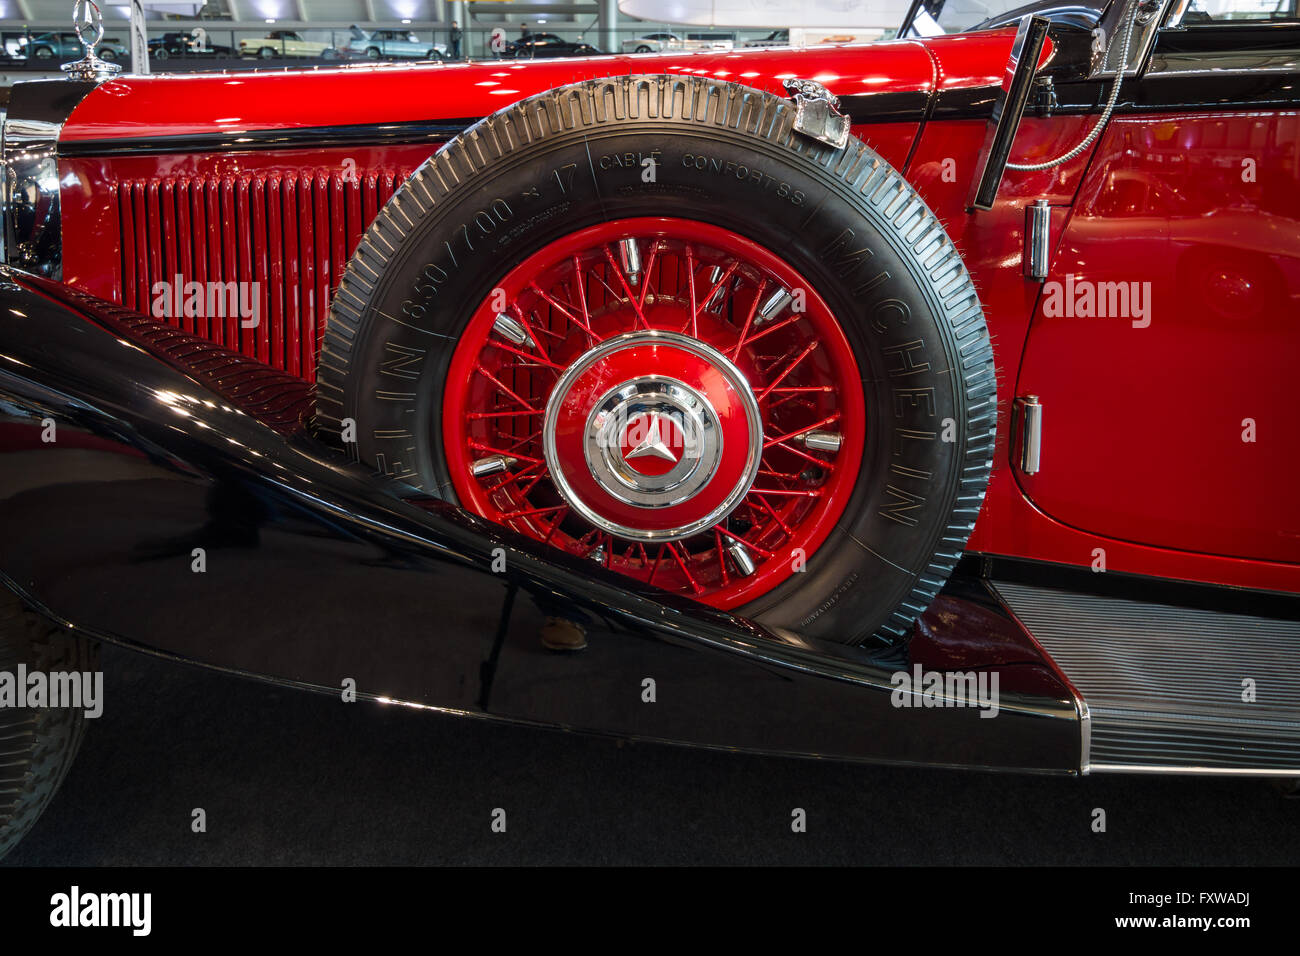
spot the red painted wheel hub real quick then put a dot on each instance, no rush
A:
(664, 397)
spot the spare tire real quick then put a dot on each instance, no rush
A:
(644, 320)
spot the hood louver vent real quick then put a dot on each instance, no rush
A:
(282, 238)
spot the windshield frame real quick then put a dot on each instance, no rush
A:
(906, 29)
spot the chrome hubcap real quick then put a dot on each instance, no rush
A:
(653, 435)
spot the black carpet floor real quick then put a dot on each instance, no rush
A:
(293, 778)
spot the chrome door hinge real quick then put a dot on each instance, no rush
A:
(1027, 432)
(1038, 239)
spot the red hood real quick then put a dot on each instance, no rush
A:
(188, 104)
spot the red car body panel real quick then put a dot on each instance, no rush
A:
(367, 94)
(1122, 491)
(1219, 260)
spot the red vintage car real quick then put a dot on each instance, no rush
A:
(787, 370)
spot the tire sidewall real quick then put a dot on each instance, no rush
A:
(782, 198)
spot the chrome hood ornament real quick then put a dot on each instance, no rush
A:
(89, 24)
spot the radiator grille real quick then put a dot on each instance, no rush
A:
(290, 231)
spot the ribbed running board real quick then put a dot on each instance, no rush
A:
(1164, 686)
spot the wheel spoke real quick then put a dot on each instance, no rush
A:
(749, 544)
(627, 290)
(568, 314)
(514, 476)
(555, 523)
(530, 512)
(533, 361)
(690, 579)
(807, 428)
(768, 508)
(749, 320)
(474, 416)
(693, 324)
(799, 452)
(579, 279)
(722, 563)
(768, 330)
(502, 386)
(812, 347)
(480, 446)
(649, 268)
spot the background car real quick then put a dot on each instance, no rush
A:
(775, 38)
(396, 44)
(50, 46)
(663, 42)
(285, 43)
(654, 43)
(710, 41)
(538, 46)
(184, 44)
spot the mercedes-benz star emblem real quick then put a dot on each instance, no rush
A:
(653, 446)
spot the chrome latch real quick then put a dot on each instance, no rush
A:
(1027, 426)
(817, 113)
(89, 24)
(1046, 101)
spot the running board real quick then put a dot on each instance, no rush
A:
(1165, 689)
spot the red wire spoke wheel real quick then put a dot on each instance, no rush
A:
(662, 396)
(644, 321)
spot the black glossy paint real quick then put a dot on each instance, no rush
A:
(1210, 68)
(318, 572)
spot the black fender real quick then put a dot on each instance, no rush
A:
(126, 446)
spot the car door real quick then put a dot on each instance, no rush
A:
(1165, 343)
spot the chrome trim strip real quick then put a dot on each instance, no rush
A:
(306, 137)
(1177, 10)
(1085, 734)
(4, 197)
(1202, 771)
(1221, 63)
(33, 224)
(1081, 710)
